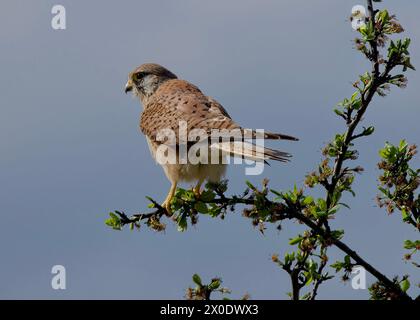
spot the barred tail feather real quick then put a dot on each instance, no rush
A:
(250, 151)
(268, 135)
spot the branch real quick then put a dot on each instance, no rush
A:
(353, 254)
(278, 212)
(318, 281)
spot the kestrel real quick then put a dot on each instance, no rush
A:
(168, 101)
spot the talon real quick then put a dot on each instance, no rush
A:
(197, 192)
(167, 203)
(197, 189)
(167, 207)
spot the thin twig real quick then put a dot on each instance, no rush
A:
(289, 213)
(318, 281)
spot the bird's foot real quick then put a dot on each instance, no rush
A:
(197, 192)
(167, 206)
(197, 189)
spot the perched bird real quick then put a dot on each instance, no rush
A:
(167, 101)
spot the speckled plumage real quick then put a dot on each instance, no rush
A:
(177, 100)
(168, 100)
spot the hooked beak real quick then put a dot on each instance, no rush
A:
(128, 86)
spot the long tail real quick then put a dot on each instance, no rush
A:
(250, 151)
(268, 135)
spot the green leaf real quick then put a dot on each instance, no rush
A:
(383, 190)
(338, 112)
(250, 185)
(309, 280)
(337, 266)
(295, 240)
(403, 145)
(382, 16)
(215, 284)
(188, 195)
(207, 195)
(408, 244)
(405, 214)
(197, 280)
(322, 204)
(114, 221)
(347, 260)
(201, 207)
(308, 200)
(405, 285)
(276, 193)
(109, 222)
(182, 223)
(368, 31)
(289, 258)
(344, 205)
(114, 216)
(214, 210)
(368, 131)
(150, 199)
(334, 209)
(337, 234)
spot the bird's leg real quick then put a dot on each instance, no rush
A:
(167, 203)
(197, 188)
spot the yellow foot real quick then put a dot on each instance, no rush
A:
(167, 203)
(167, 207)
(197, 192)
(197, 189)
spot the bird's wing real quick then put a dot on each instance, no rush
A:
(177, 103)
(177, 100)
(217, 107)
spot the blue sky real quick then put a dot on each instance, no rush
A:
(71, 150)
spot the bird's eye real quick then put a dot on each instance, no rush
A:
(138, 75)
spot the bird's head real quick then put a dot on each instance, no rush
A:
(146, 79)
